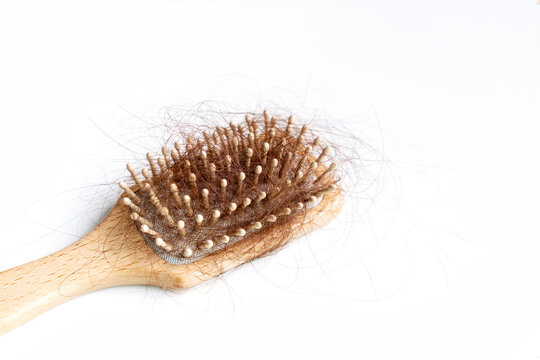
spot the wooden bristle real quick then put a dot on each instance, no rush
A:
(249, 154)
(162, 244)
(138, 218)
(204, 195)
(198, 221)
(326, 172)
(259, 197)
(181, 228)
(204, 158)
(239, 232)
(223, 185)
(134, 176)
(266, 147)
(175, 156)
(273, 165)
(166, 157)
(187, 252)
(178, 147)
(255, 225)
(285, 211)
(206, 244)
(212, 169)
(176, 195)
(246, 202)
(228, 162)
(215, 216)
(127, 201)
(241, 178)
(147, 176)
(193, 183)
(164, 212)
(134, 197)
(162, 165)
(147, 230)
(285, 167)
(258, 171)
(312, 200)
(152, 164)
(322, 155)
(289, 124)
(187, 204)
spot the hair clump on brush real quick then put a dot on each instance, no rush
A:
(211, 190)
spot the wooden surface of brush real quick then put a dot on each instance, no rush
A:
(203, 207)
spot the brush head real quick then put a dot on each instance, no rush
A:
(207, 192)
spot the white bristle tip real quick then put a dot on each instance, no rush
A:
(160, 242)
(256, 225)
(240, 232)
(187, 252)
(207, 244)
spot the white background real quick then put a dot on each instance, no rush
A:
(438, 259)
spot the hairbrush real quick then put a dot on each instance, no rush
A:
(206, 204)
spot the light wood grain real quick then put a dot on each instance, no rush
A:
(114, 253)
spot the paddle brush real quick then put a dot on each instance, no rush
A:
(206, 204)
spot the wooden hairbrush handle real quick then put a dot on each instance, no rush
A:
(30, 289)
(113, 254)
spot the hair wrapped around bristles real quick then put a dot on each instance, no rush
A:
(210, 190)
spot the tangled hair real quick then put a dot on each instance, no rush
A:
(230, 184)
